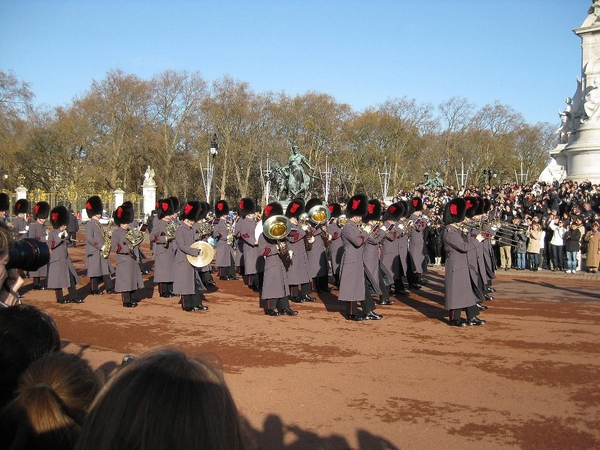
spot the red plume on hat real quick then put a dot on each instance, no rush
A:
(455, 210)
(295, 208)
(357, 206)
(373, 210)
(246, 206)
(59, 216)
(221, 208)
(471, 204)
(272, 209)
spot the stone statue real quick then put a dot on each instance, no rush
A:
(278, 178)
(439, 181)
(149, 174)
(435, 182)
(595, 8)
(592, 102)
(298, 179)
(565, 119)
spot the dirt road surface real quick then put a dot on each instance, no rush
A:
(529, 379)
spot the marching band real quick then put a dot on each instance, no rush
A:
(285, 253)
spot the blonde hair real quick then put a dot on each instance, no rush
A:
(163, 400)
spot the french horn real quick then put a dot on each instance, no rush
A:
(205, 256)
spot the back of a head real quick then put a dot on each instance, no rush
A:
(26, 334)
(53, 397)
(163, 400)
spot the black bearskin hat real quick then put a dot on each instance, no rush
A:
(246, 206)
(487, 205)
(480, 206)
(312, 202)
(123, 215)
(416, 203)
(455, 210)
(221, 208)
(204, 210)
(59, 216)
(165, 208)
(191, 211)
(4, 202)
(295, 208)
(41, 210)
(94, 206)
(176, 204)
(357, 206)
(373, 211)
(21, 206)
(394, 212)
(272, 209)
(335, 209)
(471, 205)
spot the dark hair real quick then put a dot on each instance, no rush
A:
(26, 334)
(53, 397)
(163, 400)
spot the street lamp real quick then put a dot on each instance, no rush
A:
(214, 151)
(490, 173)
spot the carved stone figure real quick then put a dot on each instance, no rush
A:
(592, 102)
(298, 178)
(149, 175)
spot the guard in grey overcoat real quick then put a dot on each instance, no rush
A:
(164, 249)
(129, 276)
(318, 268)
(336, 246)
(489, 257)
(390, 250)
(416, 263)
(297, 241)
(458, 291)
(475, 257)
(247, 244)
(96, 238)
(20, 225)
(203, 230)
(185, 283)
(38, 231)
(376, 270)
(61, 272)
(275, 287)
(223, 234)
(354, 283)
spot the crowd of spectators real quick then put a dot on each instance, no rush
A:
(563, 216)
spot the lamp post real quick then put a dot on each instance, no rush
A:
(490, 173)
(214, 150)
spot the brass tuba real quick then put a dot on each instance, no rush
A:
(277, 228)
(342, 219)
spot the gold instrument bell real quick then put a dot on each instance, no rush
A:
(319, 214)
(277, 227)
(206, 255)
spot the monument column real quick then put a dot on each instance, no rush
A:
(583, 148)
(149, 192)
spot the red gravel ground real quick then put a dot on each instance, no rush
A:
(529, 379)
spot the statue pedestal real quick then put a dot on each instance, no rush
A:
(21, 192)
(118, 197)
(149, 193)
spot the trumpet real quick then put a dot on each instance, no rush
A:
(342, 219)
(370, 229)
(304, 220)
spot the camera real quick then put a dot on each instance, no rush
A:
(28, 254)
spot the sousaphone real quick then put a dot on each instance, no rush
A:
(205, 256)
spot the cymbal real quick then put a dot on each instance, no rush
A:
(206, 255)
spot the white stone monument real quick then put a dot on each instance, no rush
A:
(149, 192)
(578, 153)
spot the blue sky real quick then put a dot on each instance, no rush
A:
(522, 53)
